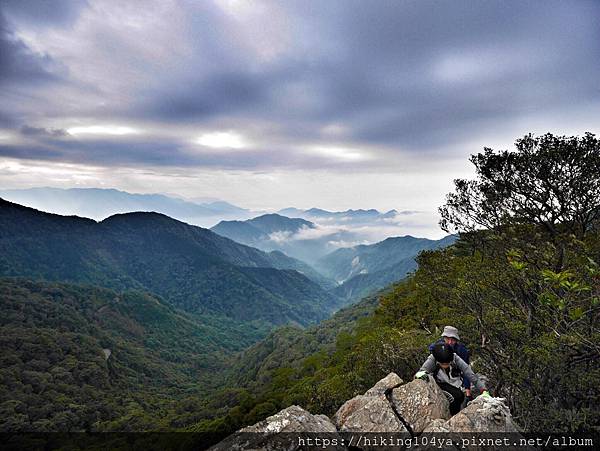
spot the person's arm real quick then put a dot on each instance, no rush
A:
(429, 365)
(468, 372)
(463, 353)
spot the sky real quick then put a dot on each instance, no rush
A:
(271, 104)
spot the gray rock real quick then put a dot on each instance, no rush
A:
(273, 433)
(369, 414)
(348, 408)
(372, 411)
(323, 418)
(483, 415)
(435, 426)
(392, 380)
(293, 419)
(420, 402)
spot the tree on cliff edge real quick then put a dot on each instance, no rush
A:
(551, 181)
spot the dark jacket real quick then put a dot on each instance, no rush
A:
(462, 351)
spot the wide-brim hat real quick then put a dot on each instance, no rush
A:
(450, 332)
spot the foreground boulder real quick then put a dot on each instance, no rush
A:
(368, 414)
(483, 414)
(371, 412)
(489, 415)
(420, 402)
(274, 432)
(389, 382)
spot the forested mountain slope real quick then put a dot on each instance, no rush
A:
(191, 267)
(345, 263)
(86, 358)
(364, 269)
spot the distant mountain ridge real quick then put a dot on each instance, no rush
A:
(276, 232)
(358, 270)
(365, 268)
(346, 263)
(253, 231)
(295, 237)
(99, 203)
(348, 215)
(192, 268)
(269, 233)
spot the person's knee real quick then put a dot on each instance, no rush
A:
(456, 404)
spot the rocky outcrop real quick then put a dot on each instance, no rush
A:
(274, 432)
(419, 403)
(390, 406)
(371, 412)
(391, 381)
(368, 414)
(483, 414)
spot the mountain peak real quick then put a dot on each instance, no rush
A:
(273, 222)
(7, 205)
(318, 211)
(139, 216)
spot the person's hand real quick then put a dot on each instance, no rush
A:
(486, 394)
(421, 375)
(468, 395)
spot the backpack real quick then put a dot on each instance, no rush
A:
(459, 349)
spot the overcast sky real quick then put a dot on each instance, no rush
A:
(331, 104)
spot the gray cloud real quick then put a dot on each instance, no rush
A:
(44, 13)
(220, 93)
(410, 78)
(40, 131)
(18, 63)
(59, 146)
(414, 76)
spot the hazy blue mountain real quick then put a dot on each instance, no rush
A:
(282, 261)
(348, 216)
(190, 267)
(360, 269)
(363, 269)
(346, 263)
(275, 232)
(270, 232)
(225, 208)
(100, 203)
(241, 232)
(254, 231)
(271, 223)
